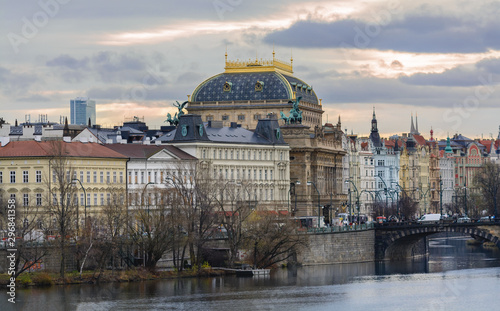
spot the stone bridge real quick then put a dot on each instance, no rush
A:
(402, 240)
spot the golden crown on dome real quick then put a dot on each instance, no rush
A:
(258, 65)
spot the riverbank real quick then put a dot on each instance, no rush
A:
(90, 277)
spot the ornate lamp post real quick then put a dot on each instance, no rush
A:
(319, 204)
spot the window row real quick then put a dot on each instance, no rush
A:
(248, 174)
(156, 176)
(89, 177)
(25, 177)
(237, 154)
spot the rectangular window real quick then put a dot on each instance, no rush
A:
(121, 177)
(272, 194)
(260, 174)
(95, 177)
(38, 199)
(142, 177)
(271, 174)
(265, 174)
(102, 198)
(215, 153)
(82, 199)
(101, 177)
(13, 177)
(25, 177)
(88, 197)
(241, 117)
(225, 118)
(81, 176)
(254, 174)
(1, 177)
(88, 177)
(114, 177)
(26, 199)
(237, 154)
(108, 198)
(95, 199)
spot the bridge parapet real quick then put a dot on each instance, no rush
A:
(400, 241)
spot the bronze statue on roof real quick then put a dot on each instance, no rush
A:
(175, 120)
(295, 116)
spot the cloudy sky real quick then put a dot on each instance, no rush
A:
(438, 60)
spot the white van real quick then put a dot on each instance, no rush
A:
(429, 218)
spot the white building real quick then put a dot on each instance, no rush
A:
(257, 163)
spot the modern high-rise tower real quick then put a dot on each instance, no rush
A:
(82, 108)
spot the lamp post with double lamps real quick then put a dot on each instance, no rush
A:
(350, 200)
(319, 204)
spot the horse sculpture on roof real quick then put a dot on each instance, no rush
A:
(175, 120)
(295, 116)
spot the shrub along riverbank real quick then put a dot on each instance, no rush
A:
(90, 277)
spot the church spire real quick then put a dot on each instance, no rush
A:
(412, 127)
(374, 122)
(416, 124)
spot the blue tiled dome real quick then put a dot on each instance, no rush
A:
(242, 87)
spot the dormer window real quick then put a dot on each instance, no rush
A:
(227, 87)
(259, 86)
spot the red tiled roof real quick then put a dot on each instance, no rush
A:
(487, 143)
(54, 148)
(420, 139)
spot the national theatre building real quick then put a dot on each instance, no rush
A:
(257, 89)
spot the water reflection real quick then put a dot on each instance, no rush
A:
(303, 288)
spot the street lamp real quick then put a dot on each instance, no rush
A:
(319, 204)
(85, 204)
(294, 193)
(143, 192)
(350, 200)
(397, 197)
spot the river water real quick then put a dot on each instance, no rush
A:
(455, 276)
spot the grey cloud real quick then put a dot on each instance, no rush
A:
(34, 98)
(413, 33)
(111, 67)
(16, 83)
(485, 72)
(67, 61)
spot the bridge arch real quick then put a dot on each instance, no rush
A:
(397, 242)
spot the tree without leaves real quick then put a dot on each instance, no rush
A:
(233, 210)
(488, 181)
(31, 244)
(272, 238)
(194, 211)
(151, 228)
(61, 201)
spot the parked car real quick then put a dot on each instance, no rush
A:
(486, 219)
(463, 220)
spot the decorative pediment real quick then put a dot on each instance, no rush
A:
(163, 155)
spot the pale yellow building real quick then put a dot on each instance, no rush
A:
(28, 174)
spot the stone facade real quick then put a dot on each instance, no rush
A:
(339, 247)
